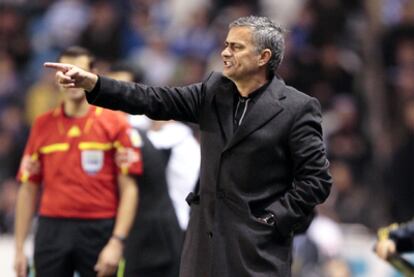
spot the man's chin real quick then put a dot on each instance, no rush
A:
(227, 74)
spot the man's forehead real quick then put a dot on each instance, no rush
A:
(239, 34)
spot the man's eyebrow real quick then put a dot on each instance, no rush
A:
(232, 43)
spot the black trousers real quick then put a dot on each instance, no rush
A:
(63, 246)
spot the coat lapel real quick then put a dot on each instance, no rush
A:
(224, 109)
(266, 107)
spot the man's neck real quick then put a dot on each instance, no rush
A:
(76, 109)
(246, 87)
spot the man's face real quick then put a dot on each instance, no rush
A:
(240, 57)
(75, 94)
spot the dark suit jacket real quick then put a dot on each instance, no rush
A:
(275, 162)
(155, 241)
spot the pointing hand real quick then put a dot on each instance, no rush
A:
(70, 76)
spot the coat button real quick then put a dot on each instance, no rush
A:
(210, 234)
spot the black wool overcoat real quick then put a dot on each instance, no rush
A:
(275, 162)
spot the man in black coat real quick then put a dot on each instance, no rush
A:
(263, 162)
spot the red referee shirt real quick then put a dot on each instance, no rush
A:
(78, 171)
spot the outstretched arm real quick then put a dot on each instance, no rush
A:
(71, 76)
(161, 103)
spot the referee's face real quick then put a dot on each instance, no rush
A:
(75, 94)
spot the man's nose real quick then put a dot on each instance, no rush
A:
(225, 52)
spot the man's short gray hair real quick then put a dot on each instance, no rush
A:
(266, 34)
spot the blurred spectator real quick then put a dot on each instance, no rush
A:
(187, 41)
(145, 253)
(391, 11)
(285, 12)
(351, 202)
(153, 247)
(306, 257)
(182, 9)
(137, 28)
(13, 35)
(61, 25)
(333, 70)
(189, 70)
(8, 195)
(395, 240)
(103, 33)
(327, 235)
(163, 63)
(402, 30)
(336, 268)
(301, 30)
(9, 84)
(346, 138)
(400, 84)
(7, 154)
(401, 174)
(183, 162)
(42, 96)
(329, 21)
(13, 136)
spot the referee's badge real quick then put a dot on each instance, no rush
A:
(92, 160)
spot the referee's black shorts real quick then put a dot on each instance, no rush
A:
(63, 246)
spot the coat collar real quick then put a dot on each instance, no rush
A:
(266, 107)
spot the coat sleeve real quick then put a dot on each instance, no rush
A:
(404, 237)
(311, 179)
(159, 103)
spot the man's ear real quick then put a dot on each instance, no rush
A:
(265, 56)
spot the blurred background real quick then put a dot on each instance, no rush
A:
(356, 57)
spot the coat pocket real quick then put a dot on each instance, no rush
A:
(257, 221)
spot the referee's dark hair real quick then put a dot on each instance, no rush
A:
(77, 51)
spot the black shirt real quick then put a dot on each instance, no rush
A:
(242, 105)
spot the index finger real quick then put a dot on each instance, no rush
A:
(58, 66)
